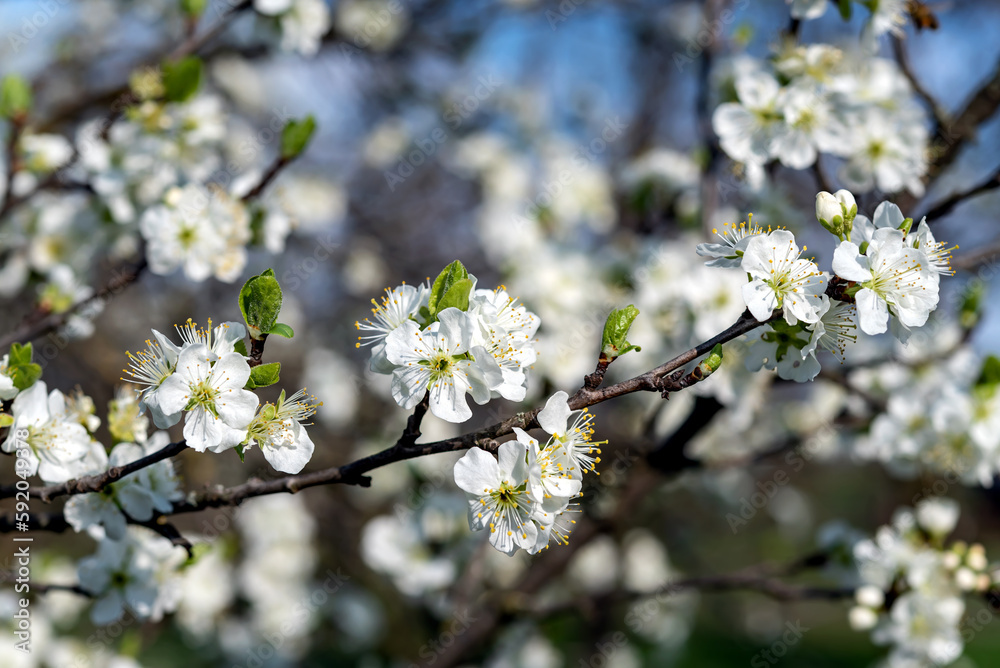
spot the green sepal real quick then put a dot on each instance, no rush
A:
(6, 420)
(239, 451)
(906, 226)
(844, 6)
(260, 303)
(181, 79)
(295, 136)
(281, 329)
(15, 96)
(616, 328)
(263, 375)
(450, 277)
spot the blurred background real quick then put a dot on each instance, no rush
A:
(565, 150)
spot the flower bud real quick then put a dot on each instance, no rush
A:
(829, 213)
(862, 619)
(870, 596)
(849, 209)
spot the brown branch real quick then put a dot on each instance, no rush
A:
(945, 206)
(265, 180)
(963, 126)
(96, 483)
(41, 322)
(941, 119)
(256, 357)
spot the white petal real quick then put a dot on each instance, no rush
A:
(849, 264)
(873, 313)
(555, 416)
(477, 471)
(760, 299)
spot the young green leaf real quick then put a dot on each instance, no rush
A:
(19, 354)
(15, 97)
(295, 137)
(260, 303)
(182, 79)
(444, 282)
(281, 329)
(616, 327)
(457, 296)
(263, 375)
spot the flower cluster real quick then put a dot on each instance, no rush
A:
(943, 422)
(58, 446)
(884, 266)
(135, 574)
(524, 495)
(886, 15)
(153, 488)
(203, 380)
(302, 22)
(448, 340)
(817, 99)
(912, 585)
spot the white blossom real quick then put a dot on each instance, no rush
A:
(782, 280)
(218, 409)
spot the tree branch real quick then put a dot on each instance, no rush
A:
(95, 483)
(41, 322)
(945, 206)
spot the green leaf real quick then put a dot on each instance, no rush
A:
(182, 79)
(260, 303)
(616, 328)
(20, 368)
(24, 375)
(263, 375)
(193, 8)
(239, 451)
(845, 9)
(15, 96)
(457, 296)
(448, 277)
(990, 374)
(295, 137)
(241, 348)
(6, 420)
(281, 329)
(19, 354)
